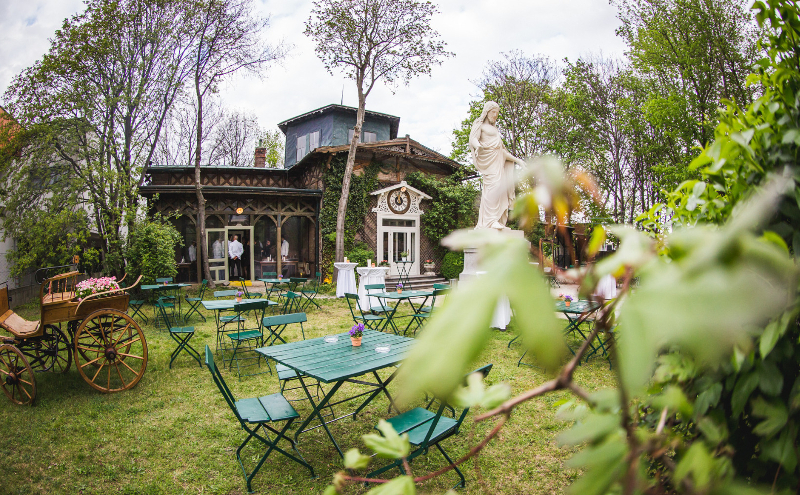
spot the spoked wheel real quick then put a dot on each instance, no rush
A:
(54, 350)
(16, 376)
(110, 351)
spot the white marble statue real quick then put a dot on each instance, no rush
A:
(496, 166)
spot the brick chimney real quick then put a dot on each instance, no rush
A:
(261, 157)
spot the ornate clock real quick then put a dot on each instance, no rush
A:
(399, 201)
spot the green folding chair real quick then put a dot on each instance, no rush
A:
(278, 323)
(427, 309)
(310, 292)
(135, 304)
(291, 303)
(419, 318)
(382, 308)
(168, 305)
(247, 293)
(255, 414)
(223, 321)
(426, 429)
(248, 338)
(370, 321)
(195, 302)
(181, 335)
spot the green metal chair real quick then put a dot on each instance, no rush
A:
(246, 338)
(370, 321)
(291, 303)
(427, 309)
(247, 293)
(255, 414)
(278, 323)
(427, 429)
(135, 303)
(382, 308)
(418, 318)
(195, 302)
(181, 335)
(223, 321)
(168, 305)
(310, 292)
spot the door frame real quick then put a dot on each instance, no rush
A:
(250, 229)
(224, 259)
(391, 230)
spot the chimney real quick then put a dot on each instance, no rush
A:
(261, 157)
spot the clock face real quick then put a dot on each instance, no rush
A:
(399, 201)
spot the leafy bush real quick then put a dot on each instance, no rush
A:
(150, 250)
(360, 253)
(453, 264)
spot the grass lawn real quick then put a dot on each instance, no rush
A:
(173, 433)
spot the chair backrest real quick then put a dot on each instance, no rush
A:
(162, 309)
(271, 321)
(437, 293)
(351, 300)
(291, 302)
(164, 279)
(221, 385)
(225, 293)
(203, 288)
(441, 286)
(244, 307)
(269, 274)
(381, 287)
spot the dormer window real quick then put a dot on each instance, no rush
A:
(307, 143)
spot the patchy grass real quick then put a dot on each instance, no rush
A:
(173, 433)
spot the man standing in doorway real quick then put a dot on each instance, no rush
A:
(235, 251)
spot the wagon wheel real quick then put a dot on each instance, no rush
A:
(16, 375)
(54, 350)
(110, 351)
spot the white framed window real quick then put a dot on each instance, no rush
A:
(301, 146)
(370, 137)
(313, 141)
(350, 136)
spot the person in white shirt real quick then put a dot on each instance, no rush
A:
(193, 252)
(235, 250)
(216, 249)
(284, 248)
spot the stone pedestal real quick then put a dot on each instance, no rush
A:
(471, 256)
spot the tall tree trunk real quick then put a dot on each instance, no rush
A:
(201, 200)
(348, 173)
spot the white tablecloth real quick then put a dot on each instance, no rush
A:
(346, 280)
(369, 276)
(607, 288)
(502, 312)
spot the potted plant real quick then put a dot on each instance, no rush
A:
(356, 333)
(567, 300)
(399, 287)
(404, 255)
(429, 267)
(239, 295)
(384, 263)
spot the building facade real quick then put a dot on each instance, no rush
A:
(275, 213)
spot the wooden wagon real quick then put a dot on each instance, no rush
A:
(108, 346)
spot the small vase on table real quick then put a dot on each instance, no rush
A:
(356, 333)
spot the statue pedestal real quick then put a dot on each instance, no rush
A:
(471, 256)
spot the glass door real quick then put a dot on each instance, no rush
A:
(401, 248)
(217, 243)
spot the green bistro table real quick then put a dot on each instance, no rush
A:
(273, 284)
(220, 305)
(337, 363)
(399, 297)
(577, 312)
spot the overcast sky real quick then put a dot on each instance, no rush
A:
(477, 31)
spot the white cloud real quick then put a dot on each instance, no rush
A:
(430, 107)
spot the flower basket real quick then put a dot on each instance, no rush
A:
(92, 286)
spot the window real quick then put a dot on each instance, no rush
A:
(350, 136)
(398, 223)
(370, 137)
(313, 139)
(301, 147)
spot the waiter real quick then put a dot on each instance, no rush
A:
(235, 251)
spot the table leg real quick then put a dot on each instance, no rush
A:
(390, 319)
(381, 388)
(316, 412)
